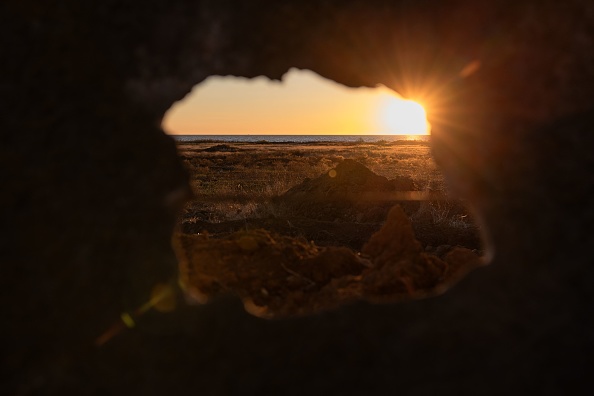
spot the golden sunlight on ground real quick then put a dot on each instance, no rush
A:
(304, 103)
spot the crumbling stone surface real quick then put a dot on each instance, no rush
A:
(91, 186)
(278, 276)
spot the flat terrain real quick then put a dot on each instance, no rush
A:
(239, 186)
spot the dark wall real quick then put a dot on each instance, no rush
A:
(91, 188)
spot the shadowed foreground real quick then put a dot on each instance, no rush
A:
(92, 188)
(279, 277)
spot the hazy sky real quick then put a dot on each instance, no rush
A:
(303, 103)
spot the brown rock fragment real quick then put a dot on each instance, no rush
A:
(279, 276)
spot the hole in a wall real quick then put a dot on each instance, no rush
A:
(293, 184)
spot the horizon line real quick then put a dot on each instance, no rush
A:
(298, 134)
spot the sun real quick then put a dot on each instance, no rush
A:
(402, 117)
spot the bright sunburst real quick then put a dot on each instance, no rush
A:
(402, 117)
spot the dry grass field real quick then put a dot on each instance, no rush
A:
(240, 186)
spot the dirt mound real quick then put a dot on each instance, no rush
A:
(279, 276)
(349, 192)
(349, 177)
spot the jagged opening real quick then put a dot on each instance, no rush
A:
(318, 166)
(90, 186)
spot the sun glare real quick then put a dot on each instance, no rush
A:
(304, 103)
(403, 117)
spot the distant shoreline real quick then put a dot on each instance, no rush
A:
(298, 138)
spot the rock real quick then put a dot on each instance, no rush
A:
(442, 250)
(301, 278)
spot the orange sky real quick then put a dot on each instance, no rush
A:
(303, 103)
